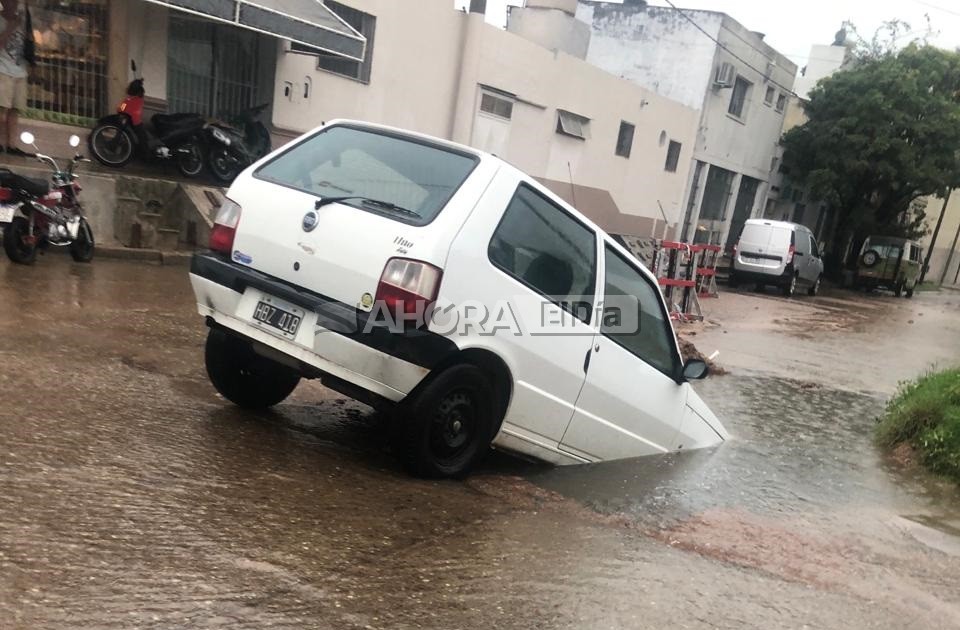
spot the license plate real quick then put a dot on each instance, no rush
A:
(6, 213)
(278, 316)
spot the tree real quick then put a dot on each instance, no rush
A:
(879, 136)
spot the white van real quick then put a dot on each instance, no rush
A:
(777, 253)
(408, 271)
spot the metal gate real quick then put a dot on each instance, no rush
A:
(69, 83)
(212, 68)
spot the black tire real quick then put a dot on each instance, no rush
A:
(190, 159)
(243, 377)
(898, 289)
(870, 258)
(82, 249)
(732, 281)
(790, 288)
(911, 290)
(446, 427)
(111, 145)
(815, 287)
(13, 235)
(223, 167)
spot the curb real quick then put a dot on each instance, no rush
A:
(137, 254)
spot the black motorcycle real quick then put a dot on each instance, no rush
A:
(119, 137)
(235, 145)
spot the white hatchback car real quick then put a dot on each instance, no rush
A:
(405, 270)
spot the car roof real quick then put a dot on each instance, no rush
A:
(772, 222)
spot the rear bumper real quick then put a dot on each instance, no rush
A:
(758, 277)
(334, 338)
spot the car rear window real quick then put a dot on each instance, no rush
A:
(343, 161)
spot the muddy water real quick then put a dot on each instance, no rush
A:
(133, 497)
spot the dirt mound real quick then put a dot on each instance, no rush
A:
(690, 352)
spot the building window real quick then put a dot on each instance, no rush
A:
(496, 106)
(771, 92)
(738, 100)
(366, 25)
(570, 124)
(673, 156)
(625, 139)
(782, 103)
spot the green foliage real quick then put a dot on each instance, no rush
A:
(879, 136)
(926, 414)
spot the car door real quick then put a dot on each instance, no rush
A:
(631, 403)
(531, 267)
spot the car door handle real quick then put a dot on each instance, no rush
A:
(586, 360)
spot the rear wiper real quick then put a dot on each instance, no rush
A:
(386, 205)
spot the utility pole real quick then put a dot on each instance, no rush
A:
(933, 241)
(953, 248)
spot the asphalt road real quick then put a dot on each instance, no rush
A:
(132, 496)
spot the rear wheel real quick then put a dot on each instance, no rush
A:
(111, 145)
(82, 248)
(20, 247)
(447, 426)
(898, 289)
(814, 288)
(189, 159)
(790, 288)
(243, 377)
(223, 166)
(911, 290)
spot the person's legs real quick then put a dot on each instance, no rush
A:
(12, 120)
(18, 102)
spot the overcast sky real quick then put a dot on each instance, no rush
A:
(792, 27)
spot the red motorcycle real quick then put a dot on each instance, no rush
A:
(35, 216)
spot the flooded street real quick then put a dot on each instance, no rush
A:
(132, 496)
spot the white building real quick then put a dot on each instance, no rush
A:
(739, 86)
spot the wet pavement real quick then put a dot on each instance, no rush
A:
(131, 496)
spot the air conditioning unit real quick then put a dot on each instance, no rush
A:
(725, 76)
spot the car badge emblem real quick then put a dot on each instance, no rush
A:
(310, 221)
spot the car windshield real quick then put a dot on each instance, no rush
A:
(344, 161)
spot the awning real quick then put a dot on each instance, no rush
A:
(307, 22)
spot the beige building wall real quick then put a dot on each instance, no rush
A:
(548, 81)
(414, 76)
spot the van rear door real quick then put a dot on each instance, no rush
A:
(765, 244)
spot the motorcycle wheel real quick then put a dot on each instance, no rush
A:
(223, 167)
(82, 248)
(17, 250)
(111, 145)
(190, 159)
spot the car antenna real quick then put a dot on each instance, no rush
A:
(573, 190)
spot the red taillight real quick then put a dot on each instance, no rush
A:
(6, 194)
(790, 254)
(408, 288)
(225, 228)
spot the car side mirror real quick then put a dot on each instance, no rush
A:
(695, 370)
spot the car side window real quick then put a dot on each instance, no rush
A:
(645, 332)
(801, 243)
(548, 250)
(814, 249)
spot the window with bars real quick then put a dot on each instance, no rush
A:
(69, 83)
